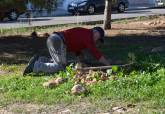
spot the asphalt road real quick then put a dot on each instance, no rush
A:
(43, 21)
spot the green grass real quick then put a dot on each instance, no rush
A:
(143, 83)
(23, 31)
(30, 90)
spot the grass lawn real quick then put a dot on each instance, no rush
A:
(140, 89)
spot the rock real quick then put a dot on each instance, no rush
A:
(104, 113)
(119, 109)
(104, 77)
(54, 82)
(78, 89)
(49, 85)
(91, 82)
(89, 78)
(115, 108)
(83, 81)
(66, 111)
(91, 72)
(59, 80)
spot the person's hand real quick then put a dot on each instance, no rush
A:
(104, 61)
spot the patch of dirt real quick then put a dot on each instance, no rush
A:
(82, 107)
(148, 27)
(156, 22)
(16, 49)
(19, 108)
(4, 72)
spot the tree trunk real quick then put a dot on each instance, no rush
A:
(107, 14)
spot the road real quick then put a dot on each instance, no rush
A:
(44, 21)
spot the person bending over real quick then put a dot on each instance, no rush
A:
(73, 40)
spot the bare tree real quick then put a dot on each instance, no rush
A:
(107, 14)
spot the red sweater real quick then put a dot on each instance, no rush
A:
(78, 39)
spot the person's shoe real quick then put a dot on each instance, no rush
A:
(30, 66)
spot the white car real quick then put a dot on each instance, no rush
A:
(160, 3)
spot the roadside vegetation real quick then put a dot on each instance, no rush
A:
(43, 29)
(139, 88)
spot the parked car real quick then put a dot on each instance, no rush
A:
(91, 6)
(12, 9)
(160, 3)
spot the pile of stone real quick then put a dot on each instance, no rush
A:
(80, 80)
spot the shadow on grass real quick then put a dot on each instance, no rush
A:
(18, 49)
(141, 46)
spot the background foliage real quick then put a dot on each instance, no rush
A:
(38, 4)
